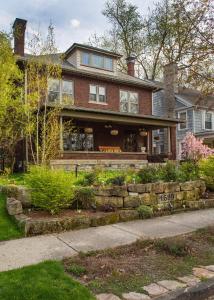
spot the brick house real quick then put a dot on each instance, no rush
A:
(112, 111)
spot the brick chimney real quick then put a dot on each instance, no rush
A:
(130, 64)
(170, 87)
(19, 27)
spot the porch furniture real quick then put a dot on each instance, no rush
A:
(110, 149)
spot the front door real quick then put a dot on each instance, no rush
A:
(130, 141)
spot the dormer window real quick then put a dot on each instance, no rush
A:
(97, 61)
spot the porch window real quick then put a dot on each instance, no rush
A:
(97, 94)
(129, 102)
(78, 141)
(60, 91)
(183, 117)
(208, 121)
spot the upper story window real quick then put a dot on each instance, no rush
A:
(60, 91)
(129, 102)
(183, 117)
(208, 121)
(97, 61)
(97, 94)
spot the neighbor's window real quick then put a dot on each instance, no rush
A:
(129, 102)
(208, 120)
(97, 61)
(183, 117)
(60, 91)
(97, 94)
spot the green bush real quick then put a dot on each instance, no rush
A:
(88, 179)
(51, 190)
(118, 180)
(145, 212)
(148, 174)
(173, 247)
(84, 197)
(188, 171)
(169, 172)
(206, 170)
(76, 270)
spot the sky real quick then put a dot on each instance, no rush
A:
(74, 20)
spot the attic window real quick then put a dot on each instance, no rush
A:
(97, 61)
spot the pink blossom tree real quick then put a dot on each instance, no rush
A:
(194, 149)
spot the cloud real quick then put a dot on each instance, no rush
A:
(74, 23)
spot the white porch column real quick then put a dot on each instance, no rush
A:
(169, 141)
(61, 133)
(148, 142)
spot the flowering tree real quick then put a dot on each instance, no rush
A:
(194, 149)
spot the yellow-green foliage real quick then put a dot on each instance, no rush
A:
(206, 169)
(52, 190)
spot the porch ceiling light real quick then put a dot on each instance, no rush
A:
(114, 132)
(143, 132)
(88, 130)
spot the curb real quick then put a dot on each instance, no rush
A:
(199, 292)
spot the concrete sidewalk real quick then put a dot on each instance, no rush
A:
(27, 251)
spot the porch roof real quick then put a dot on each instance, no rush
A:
(117, 117)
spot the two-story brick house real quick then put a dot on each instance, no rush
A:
(112, 111)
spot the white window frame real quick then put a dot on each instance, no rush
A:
(129, 101)
(97, 94)
(212, 125)
(179, 126)
(61, 91)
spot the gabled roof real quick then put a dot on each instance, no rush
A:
(90, 48)
(119, 77)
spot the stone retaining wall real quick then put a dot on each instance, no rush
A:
(164, 198)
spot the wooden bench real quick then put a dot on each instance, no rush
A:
(110, 149)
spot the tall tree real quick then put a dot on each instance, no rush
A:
(12, 108)
(179, 31)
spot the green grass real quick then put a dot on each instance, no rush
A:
(12, 179)
(45, 281)
(8, 229)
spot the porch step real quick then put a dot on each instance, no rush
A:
(90, 164)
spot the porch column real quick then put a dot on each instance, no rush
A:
(169, 141)
(61, 133)
(148, 142)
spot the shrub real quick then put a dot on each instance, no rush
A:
(188, 171)
(51, 189)
(173, 247)
(169, 172)
(88, 179)
(118, 180)
(84, 197)
(145, 212)
(206, 170)
(148, 174)
(76, 270)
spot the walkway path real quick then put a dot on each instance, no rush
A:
(27, 251)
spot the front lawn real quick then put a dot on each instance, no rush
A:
(8, 229)
(45, 281)
(129, 268)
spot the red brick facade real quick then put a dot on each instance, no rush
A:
(81, 94)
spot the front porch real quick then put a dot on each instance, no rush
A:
(111, 139)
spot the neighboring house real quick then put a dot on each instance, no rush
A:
(112, 111)
(196, 111)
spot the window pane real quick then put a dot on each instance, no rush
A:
(98, 61)
(108, 63)
(123, 96)
(53, 85)
(133, 97)
(208, 121)
(53, 97)
(93, 93)
(124, 106)
(134, 108)
(102, 94)
(67, 87)
(85, 58)
(183, 117)
(67, 98)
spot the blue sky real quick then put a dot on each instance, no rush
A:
(74, 20)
